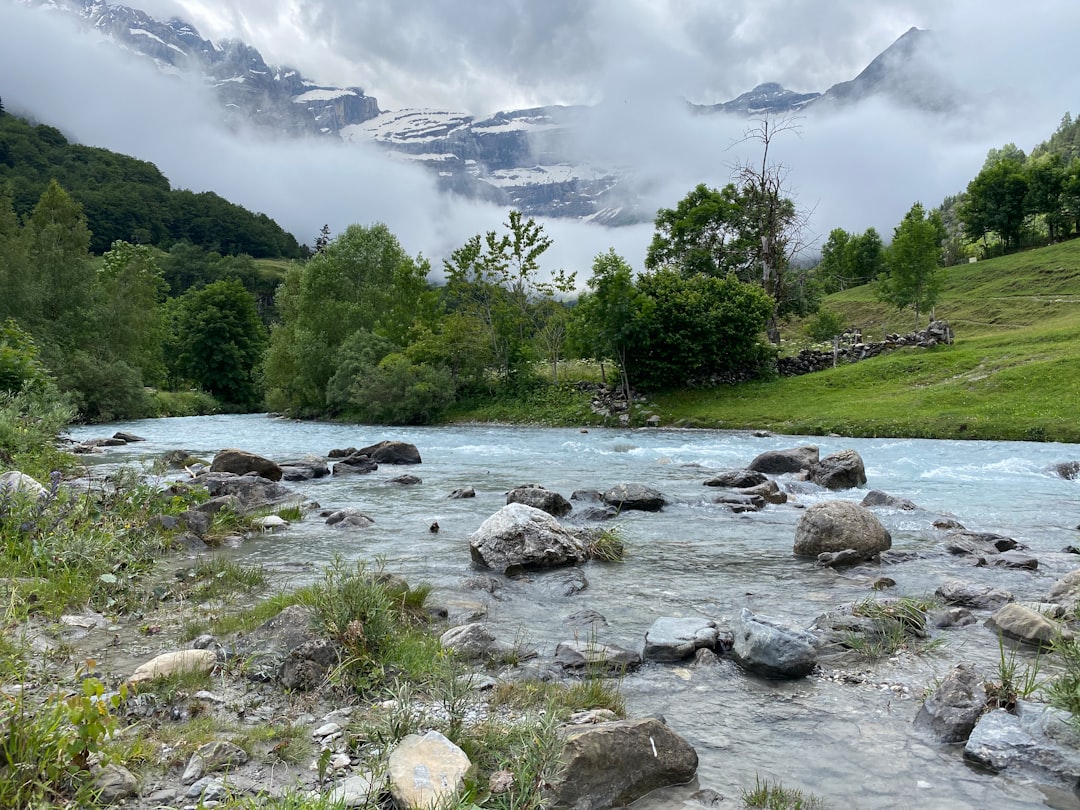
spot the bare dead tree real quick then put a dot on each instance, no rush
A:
(780, 225)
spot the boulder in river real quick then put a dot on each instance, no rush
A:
(1033, 740)
(779, 462)
(843, 470)
(674, 639)
(537, 496)
(389, 452)
(520, 537)
(241, 462)
(639, 497)
(876, 497)
(953, 709)
(1026, 625)
(737, 479)
(770, 648)
(838, 525)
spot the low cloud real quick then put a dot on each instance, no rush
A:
(858, 168)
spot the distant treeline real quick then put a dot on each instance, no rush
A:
(128, 199)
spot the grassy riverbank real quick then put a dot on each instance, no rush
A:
(1013, 373)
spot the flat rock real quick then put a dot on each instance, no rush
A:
(634, 497)
(591, 657)
(737, 479)
(675, 639)
(426, 771)
(972, 595)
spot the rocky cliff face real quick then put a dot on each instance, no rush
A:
(522, 158)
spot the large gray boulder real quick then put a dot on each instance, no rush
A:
(674, 639)
(536, 496)
(520, 537)
(241, 462)
(843, 470)
(634, 497)
(838, 525)
(388, 452)
(770, 648)
(615, 763)
(778, 462)
(953, 709)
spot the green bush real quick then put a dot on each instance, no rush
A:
(825, 325)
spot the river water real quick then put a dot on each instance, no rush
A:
(851, 743)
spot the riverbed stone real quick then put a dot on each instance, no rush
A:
(304, 469)
(769, 490)
(114, 783)
(1026, 625)
(1014, 559)
(838, 525)
(972, 594)
(355, 790)
(356, 464)
(173, 663)
(391, 452)
(462, 493)
(241, 462)
(253, 492)
(349, 519)
(1066, 591)
(952, 710)
(615, 763)
(638, 497)
(593, 657)
(779, 462)
(1034, 741)
(877, 497)
(540, 498)
(426, 771)
(213, 756)
(674, 639)
(1069, 470)
(768, 647)
(473, 642)
(737, 479)
(520, 537)
(843, 470)
(739, 503)
(15, 481)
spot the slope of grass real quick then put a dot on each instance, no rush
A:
(1014, 372)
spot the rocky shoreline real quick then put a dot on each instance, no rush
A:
(1011, 735)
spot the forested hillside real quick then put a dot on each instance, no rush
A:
(126, 198)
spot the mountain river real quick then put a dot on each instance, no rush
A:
(848, 740)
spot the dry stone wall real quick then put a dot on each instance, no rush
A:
(810, 360)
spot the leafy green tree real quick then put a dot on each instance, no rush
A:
(693, 328)
(849, 260)
(705, 233)
(995, 202)
(362, 283)
(20, 361)
(59, 242)
(825, 325)
(128, 310)
(19, 284)
(1045, 189)
(495, 278)
(221, 341)
(613, 315)
(913, 261)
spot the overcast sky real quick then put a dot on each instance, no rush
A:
(636, 58)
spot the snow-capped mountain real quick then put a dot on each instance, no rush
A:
(522, 158)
